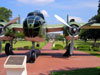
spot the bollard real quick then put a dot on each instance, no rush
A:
(16, 65)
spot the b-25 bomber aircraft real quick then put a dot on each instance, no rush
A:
(34, 28)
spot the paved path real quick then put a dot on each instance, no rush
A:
(52, 60)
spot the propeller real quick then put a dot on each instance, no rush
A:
(11, 22)
(3, 30)
(61, 20)
(73, 30)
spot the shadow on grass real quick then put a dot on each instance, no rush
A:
(85, 71)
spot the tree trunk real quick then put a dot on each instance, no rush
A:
(95, 42)
(85, 40)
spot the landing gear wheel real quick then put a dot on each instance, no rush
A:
(8, 49)
(37, 45)
(67, 53)
(32, 57)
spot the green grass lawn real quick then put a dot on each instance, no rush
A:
(22, 44)
(59, 45)
(86, 71)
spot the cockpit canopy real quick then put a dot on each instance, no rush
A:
(33, 19)
(36, 13)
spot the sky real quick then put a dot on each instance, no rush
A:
(80, 10)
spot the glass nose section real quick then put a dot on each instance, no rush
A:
(31, 19)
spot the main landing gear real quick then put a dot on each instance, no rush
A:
(9, 48)
(68, 52)
(33, 54)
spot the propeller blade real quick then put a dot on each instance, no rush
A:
(88, 24)
(11, 22)
(61, 20)
(72, 45)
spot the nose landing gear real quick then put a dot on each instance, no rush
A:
(33, 54)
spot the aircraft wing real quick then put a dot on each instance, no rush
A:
(54, 28)
(92, 26)
(3, 23)
(17, 27)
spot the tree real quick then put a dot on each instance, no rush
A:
(97, 16)
(60, 38)
(5, 14)
(19, 34)
(83, 35)
(92, 33)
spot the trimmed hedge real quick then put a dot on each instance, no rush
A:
(58, 47)
(84, 47)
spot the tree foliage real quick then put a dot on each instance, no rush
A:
(60, 38)
(5, 14)
(92, 33)
(19, 34)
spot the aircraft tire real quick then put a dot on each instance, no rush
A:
(67, 53)
(32, 57)
(38, 45)
(8, 49)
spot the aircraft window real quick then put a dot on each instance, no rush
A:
(38, 18)
(30, 21)
(36, 22)
(31, 17)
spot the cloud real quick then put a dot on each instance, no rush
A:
(44, 12)
(38, 2)
(88, 4)
(77, 19)
(79, 5)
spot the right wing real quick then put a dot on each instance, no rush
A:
(17, 27)
(92, 26)
(54, 28)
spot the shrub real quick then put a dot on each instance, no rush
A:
(96, 48)
(58, 47)
(84, 47)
